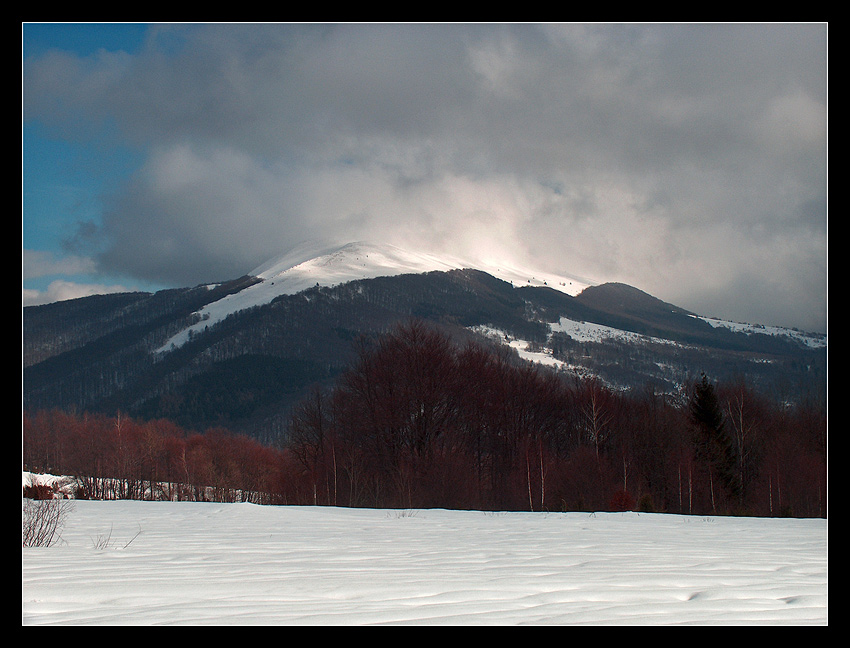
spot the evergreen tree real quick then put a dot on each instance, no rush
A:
(713, 444)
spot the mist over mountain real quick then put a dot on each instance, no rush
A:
(239, 354)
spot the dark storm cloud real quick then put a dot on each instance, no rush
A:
(688, 160)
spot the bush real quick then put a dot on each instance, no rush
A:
(42, 520)
(38, 492)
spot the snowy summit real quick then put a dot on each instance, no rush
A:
(313, 264)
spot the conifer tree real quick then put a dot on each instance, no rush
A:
(713, 444)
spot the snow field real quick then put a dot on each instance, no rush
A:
(223, 564)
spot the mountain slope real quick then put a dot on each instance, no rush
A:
(240, 354)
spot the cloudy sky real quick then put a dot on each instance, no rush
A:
(687, 160)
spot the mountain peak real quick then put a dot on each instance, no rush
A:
(316, 263)
(310, 263)
(313, 263)
(623, 297)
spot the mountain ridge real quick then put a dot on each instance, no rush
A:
(240, 353)
(314, 264)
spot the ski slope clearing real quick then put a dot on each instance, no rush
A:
(180, 563)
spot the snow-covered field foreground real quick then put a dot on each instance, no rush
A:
(196, 563)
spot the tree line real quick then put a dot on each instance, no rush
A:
(420, 421)
(117, 457)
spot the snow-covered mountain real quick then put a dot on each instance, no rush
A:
(312, 263)
(315, 264)
(240, 353)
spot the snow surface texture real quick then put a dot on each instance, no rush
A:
(201, 563)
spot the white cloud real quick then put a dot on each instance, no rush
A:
(40, 263)
(61, 290)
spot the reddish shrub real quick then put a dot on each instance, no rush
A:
(38, 492)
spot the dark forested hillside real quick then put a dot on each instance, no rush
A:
(98, 354)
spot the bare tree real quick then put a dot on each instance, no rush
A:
(597, 418)
(744, 414)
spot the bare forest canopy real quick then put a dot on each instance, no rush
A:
(419, 421)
